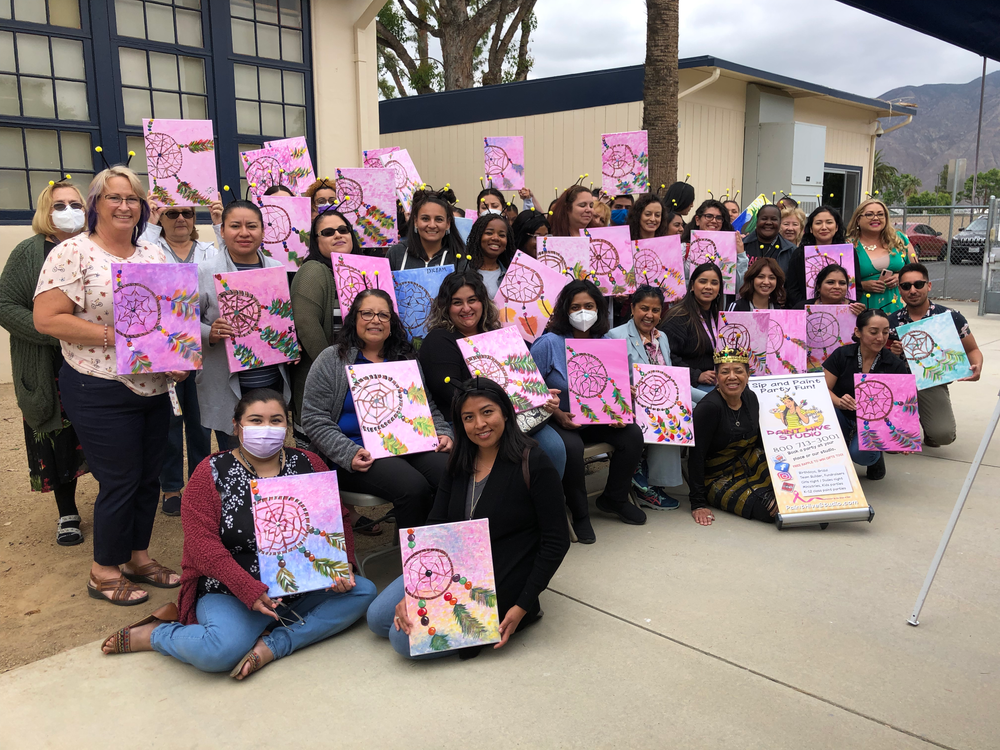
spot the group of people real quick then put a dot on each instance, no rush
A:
(522, 471)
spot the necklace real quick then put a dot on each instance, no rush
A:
(736, 417)
(250, 466)
(870, 248)
(481, 485)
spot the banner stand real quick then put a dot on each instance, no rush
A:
(824, 517)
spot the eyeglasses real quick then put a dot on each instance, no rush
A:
(173, 213)
(326, 201)
(63, 206)
(907, 285)
(712, 217)
(116, 200)
(369, 315)
(330, 231)
(873, 215)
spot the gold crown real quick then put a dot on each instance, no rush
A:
(731, 355)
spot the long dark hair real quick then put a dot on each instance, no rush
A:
(452, 241)
(526, 224)
(678, 197)
(756, 268)
(690, 313)
(839, 237)
(474, 247)
(395, 348)
(314, 251)
(727, 225)
(826, 271)
(450, 284)
(635, 215)
(512, 441)
(561, 208)
(559, 322)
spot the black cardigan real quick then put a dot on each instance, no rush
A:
(715, 428)
(796, 293)
(440, 358)
(528, 533)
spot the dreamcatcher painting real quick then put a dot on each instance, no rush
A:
(373, 157)
(786, 341)
(392, 408)
(888, 419)
(405, 177)
(611, 259)
(818, 257)
(502, 357)
(827, 327)
(451, 595)
(293, 156)
(625, 163)
(663, 404)
(416, 289)
(352, 274)
(659, 261)
(567, 255)
(299, 525)
(526, 295)
(157, 317)
(747, 331)
(367, 197)
(180, 159)
(713, 247)
(287, 221)
(257, 305)
(503, 161)
(265, 168)
(934, 351)
(599, 386)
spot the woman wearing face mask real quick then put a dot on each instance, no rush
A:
(645, 220)
(528, 227)
(224, 621)
(581, 312)
(766, 241)
(491, 246)
(431, 239)
(490, 201)
(793, 225)
(879, 252)
(571, 212)
(867, 354)
(823, 227)
(322, 194)
(763, 287)
(831, 289)
(690, 327)
(55, 458)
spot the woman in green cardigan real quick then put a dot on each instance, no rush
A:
(879, 252)
(55, 458)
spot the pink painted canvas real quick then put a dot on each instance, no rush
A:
(747, 331)
(352, 274)
(527, 293)
(367, 197)
(663, 404)
(827, 328)
(660, 262)
(786, 341)
(503, 162)
(567, 255)
(819, 257)
(295, 160)
(373, 156)
(625, 163)
(392, 408)
(298, 522)
(888, 419)
(611, 259)
(502, 357)
(157, 317)
(180, 159)
(717, 247)
(257, 305)
(599, 386)
(450, 590)
(287, 222)
(406, 179)
(265, 168)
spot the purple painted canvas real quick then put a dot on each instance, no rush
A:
(786, 342)
(287, 222)
(503, 162)
(887, 414)
(599, 386)
(367, 197)
(406, 179)
(717, 247)
(451, 594)
(295, 160)
(567, 255)
(819, 257)
(299, 525)
(180, 159)
(611, 259)
(660, 261)
(392, 409)
(526, 295)
(827, 328)
(373, 156)
(416, 289)
(663, 404)
(625, 163)
(257, 305)
(502, 357)
(157, 317)
(747, 331)
(354, 273)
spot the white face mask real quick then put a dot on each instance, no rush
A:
(582, 320)
(494, 211)
(69, 220)
(263, 441)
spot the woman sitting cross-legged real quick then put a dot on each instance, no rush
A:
(499, 473)
(223, 610)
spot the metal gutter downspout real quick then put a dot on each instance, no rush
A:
(903, 124)
(702, 84)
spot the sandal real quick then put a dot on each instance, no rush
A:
(120, 589)
(68, 531)
(166, 613)
(154, 574)
(256, 662)
(367, 527)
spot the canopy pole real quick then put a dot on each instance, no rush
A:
(979, 133)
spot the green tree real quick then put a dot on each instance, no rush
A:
(987, 184)
(899, 188)
(929, 200)
(883, 173)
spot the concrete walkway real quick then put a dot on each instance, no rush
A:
(666, 635)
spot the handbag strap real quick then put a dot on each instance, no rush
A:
(524, 468)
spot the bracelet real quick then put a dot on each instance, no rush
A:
(105, 338)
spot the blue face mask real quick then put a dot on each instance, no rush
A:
(619, 216)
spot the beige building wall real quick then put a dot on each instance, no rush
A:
(850, 131)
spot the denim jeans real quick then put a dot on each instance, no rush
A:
(227, 630)
(863, 458)
(698, 392)
(554, 447)
(199, 439)
(380, 621)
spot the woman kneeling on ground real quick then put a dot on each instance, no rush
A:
(223, 608)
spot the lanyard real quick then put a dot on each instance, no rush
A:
(878, 356)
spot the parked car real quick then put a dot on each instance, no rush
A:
(926, 242)
(968, 244)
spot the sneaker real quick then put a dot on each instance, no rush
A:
(657, 500)
(584, 531)
(645, 494)
(172, 504)
(625, 511)
(877, 470)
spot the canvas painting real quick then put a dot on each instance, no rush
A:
(367, 197)
(416, 289)
(746, 222)
(450, 590)
(299, 525)
(827, 328)
(715, 247)
(295, 160)
(786, 342)
(567, 255)
(888, 419)
(611, 265)
(257, 305)
(180, 160)
(625, 163)
(392, 408)
(157, 317)
(503, 162)
(287, 222)
(599, 386)
(934, 351)
(663, 404)
(265, 168)
(502, 357)
(659, 261)
(819, 257)
(747, 331)
(406, 179)
(463, 226)
(526, 295)
(352, 274)
(373, 157)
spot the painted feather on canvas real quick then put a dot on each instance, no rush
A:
(450, 589)
(567, 255)
(406, 179)
(659, 261)
(373, 156)
(352, 274)
(287, 222)
(503, 162)
(293, 156)
(502, 357)
(713, 247)
(526, 295)
(299, 526)
(827, 328)
(611, 265)
(625, 163)
(599, 386)
(264, 168)
(257, 305)
(819, 257)
(888, 418)
(416, 289)
(934, 350)
(367, 197)
(786, 342)
(663, 404)
(180, 160)
(392, 408)
(157, 317)
(747, 331)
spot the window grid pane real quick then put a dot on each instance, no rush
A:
(44, 65)
(157, 21)
(29, 158)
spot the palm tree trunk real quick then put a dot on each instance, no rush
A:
(659, 113)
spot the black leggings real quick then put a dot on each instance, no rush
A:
(408, 482)
(66, 498)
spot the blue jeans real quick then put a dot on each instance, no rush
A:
(554, 447)
(227, 630)
(863, 458)
(380, 621)
(698, 392)
(199, 439)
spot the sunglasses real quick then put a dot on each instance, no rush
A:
(173, 213)
(60, 206)
(908, 285)
(330, 231)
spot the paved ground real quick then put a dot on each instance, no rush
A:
(667, 635)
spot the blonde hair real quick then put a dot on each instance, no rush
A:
(100, 183)
(322, 184)
(41, 222)
(889, 237)
(602, 211)
(800, 216)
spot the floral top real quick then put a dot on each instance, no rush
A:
(82, 270)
